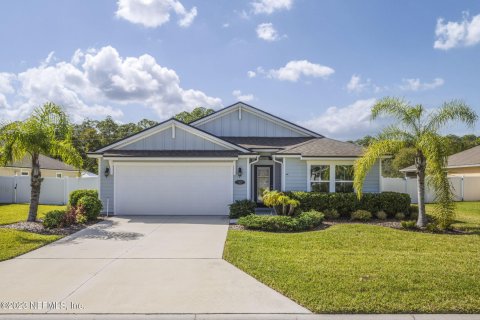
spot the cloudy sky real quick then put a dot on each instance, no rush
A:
(318, 63)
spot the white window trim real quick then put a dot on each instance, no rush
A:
(332, 164)
(59, 173)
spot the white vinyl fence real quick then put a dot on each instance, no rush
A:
(464, 188)
(53, 190)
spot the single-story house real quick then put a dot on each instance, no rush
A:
(49, 168)
(200, 168)
(464, 163)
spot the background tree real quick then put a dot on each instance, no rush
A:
(47, 131)
(419, 129)
(196, 114)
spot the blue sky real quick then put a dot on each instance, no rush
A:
(319, 63)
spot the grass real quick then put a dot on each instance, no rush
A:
(11, 213)
(355, 268)
(467, 216)
(14, 243)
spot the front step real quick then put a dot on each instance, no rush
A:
(264, 211)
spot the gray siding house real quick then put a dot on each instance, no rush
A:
(200, 168)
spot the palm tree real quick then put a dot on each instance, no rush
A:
(46, 131)
(418, 128)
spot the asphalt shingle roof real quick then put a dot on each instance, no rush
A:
(266, 142)
(45, 163)
(325, 147)
(172, 153)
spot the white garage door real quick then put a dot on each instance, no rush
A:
(194, 188)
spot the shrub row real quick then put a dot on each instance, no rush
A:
(83, 206)
(305, 221)
(241, 208)
(346, 203)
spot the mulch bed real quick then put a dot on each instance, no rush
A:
(37, 227)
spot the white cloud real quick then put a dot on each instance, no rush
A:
(347, 122)
(226, 25)
(270, 6)
(457, 34)
(99, 83)
(251, 74)
(242, 97)
(267, 32)
(417, 85)
(154, 13)
(6, 80)
(294, 69)
(356, 85)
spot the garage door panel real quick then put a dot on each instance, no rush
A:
(170, 189)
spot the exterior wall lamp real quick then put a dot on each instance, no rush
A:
(239, 173)
(107, 172)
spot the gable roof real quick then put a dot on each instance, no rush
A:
(267, 142)
(324, 147)
(45, 163)
(167, 124)
(259, 113)
(466, 158)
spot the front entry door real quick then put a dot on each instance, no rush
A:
(263, 181)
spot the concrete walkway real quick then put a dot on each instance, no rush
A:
(140, 265)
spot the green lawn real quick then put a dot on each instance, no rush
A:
(355, 268)
(467, 216)
(11, 213)
(14, 243)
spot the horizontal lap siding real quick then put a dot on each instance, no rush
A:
(295, 174)
(372, 180)
(250, 125)
(164, 141)
(106, 187)
(240, 190)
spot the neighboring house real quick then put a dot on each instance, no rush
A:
(464, 163)
(49, 167)
(235, 153)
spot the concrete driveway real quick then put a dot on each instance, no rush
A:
(137, 265)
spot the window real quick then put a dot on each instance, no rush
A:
(344, 178)
(320, 178)
(59, 174)
(24, 173)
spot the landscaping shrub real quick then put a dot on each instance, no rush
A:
(241, 208)
(345, 203)
(409, 224)
(54, 219)
(400, 216)
(414, 212)
(305, 221)
(361, 215)
(70, 216)
(331, 214)
(92, 206)
(280, 202)
(381, 215)
(78, 194)
(81, 215)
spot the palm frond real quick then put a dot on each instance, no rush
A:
(399, 109)
(455, 110)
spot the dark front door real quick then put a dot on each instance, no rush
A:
(263, 181)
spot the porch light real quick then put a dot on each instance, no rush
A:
(239, 172)
(107, 172)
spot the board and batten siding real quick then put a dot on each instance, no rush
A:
(250, 125)
(164, 140)
(240, 190)
(106, 187)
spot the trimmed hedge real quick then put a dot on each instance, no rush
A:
(241, 208)
(305, 221)
(91, 205)
(346, 203)
(78, 194)
(54, 219)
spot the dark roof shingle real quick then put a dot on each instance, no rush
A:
(266, 142)
(45, 163)
(325, 147)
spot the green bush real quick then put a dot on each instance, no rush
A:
(77, 194)
(54, 219)
(305, 221)
(361, 215)
(331, 214)
(409, 224)
(81, 215)
(241, 208)
(381, 215)
(346, 203)
(400, 216)
(280, 202)
(91, 205)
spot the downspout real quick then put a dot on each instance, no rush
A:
(274, 158)
(249, 183)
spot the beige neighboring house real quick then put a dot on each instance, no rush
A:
(49, 167)
(465, 163)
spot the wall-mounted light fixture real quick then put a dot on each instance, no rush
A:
(107, 171)
(239, 173)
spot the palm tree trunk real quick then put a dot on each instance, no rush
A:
(421, 167)
(35, 182)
